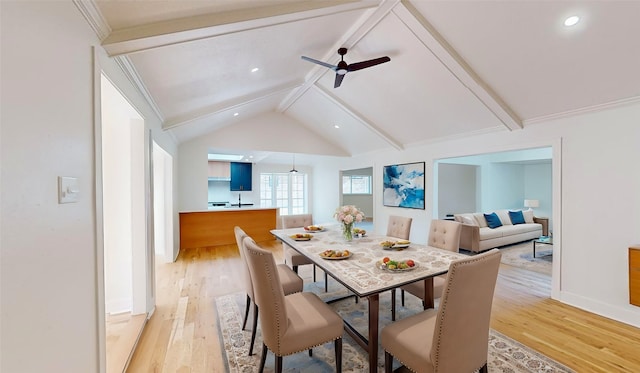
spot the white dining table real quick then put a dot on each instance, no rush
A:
(362, 275)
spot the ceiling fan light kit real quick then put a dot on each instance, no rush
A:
(342, 68)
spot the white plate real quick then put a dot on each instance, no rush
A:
(400, 246)
(314, 231)
(384, 268)
(336, 257)
(300, 238)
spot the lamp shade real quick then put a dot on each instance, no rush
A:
(531, 203)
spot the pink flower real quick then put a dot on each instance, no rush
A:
(347, 214)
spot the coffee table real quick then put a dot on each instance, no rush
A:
(544, 240)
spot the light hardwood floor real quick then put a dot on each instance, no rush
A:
(182, 334)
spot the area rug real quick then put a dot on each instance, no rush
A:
(505, 354)
(521, 255)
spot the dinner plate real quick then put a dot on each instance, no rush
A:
(321, 229)
(384, 267)
(305, 238)
(400, 246)
(336, 257)
(401, 270)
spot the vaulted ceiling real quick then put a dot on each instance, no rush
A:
(457, 68)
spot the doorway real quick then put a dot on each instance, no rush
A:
(162, 204)
(357, 189)
(124, 216)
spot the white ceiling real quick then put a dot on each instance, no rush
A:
(457, 67)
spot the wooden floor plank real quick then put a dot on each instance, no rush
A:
(522, 310)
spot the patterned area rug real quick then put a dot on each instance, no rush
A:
(505, 354)
(521, 255)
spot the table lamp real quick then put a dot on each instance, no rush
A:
(530, 203)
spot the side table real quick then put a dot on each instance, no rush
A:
(545, 224)
(544, 240)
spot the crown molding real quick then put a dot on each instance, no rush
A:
(131, 73)
(94, 17)
(585, 110)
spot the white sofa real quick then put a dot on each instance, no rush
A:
(476, 235)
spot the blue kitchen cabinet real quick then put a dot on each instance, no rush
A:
(240, 176)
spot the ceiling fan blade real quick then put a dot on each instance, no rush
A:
(332, 67)
(338, 81)
(369, 63)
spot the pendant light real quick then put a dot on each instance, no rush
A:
(293, 168)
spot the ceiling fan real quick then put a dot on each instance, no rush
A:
(343, 68)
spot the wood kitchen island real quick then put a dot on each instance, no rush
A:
(214, 227)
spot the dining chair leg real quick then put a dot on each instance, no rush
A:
(388, 362)
(278, 364)
(246, 312)
(337, 344)
(314, 273)
(255, 328)
(484, 369)
(402, 297)
(393, 304)
(295, 269)
(310, 352)
(263, 358)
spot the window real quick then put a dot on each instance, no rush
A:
(356, 184)
(285, 190)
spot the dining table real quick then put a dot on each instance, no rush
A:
(361, 271)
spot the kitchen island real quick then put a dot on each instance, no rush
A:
(214, 227)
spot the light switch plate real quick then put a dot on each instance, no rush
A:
(68, 190)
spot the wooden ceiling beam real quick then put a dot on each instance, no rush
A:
(160, 34)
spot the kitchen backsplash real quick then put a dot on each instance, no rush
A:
(219, 192)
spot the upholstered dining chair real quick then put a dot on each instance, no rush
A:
(443, 234)
(449, 339)
(292, 257)
(291, 283)
(292, 323)
(399, 227)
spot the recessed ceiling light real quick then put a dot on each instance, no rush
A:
(254, 69)
(571, 21)
(336, 126)
(236, 114)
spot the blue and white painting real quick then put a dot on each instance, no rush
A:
(403, 185)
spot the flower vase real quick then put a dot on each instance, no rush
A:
(347, 231)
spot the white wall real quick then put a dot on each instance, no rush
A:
(457, 185)
(49, 310)
(49, 275)
(502, 186)
(537, 185)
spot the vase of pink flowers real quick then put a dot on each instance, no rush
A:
(348, 215)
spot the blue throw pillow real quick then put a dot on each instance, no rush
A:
(516, 217)
(493, 221)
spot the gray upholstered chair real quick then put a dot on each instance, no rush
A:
(443, 234)
(292, 257)
(449, 339)
(399, 227)
(292, 323)
(291, 283)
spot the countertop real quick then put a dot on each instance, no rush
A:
(222, 209)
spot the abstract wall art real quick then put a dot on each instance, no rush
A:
(403, 185)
